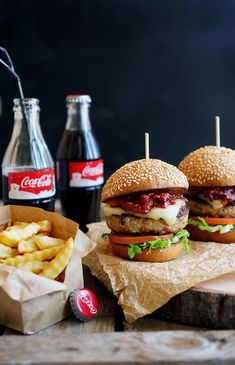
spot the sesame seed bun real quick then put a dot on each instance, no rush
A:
(154, 255)
(210, 166)
(142, 175)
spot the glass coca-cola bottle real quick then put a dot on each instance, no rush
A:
(79, 164)
(27, 169)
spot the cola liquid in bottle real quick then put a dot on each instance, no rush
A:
(79, 165)
(28, 173)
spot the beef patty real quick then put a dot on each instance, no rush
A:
(135, 225)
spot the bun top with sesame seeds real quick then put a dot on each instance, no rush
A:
(142, 175)
(210, 166)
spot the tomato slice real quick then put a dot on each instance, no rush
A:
(212, 220)
(125, 240)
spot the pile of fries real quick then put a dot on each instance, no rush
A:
(29, 247)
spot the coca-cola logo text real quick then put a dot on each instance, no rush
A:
(43, 181)
(86, 173)
(86, 300)
(93, 171)
(29, 185)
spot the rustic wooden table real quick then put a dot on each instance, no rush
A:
(109, 339)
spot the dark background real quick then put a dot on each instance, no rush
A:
(161, 66)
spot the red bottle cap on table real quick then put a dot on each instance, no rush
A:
(84, 304)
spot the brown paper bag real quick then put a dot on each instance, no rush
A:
(29, 302)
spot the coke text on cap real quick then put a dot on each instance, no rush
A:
(84, 304)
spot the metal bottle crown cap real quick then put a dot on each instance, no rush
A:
(78, 98)
(84, 304)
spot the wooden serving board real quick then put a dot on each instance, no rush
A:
(210, 304)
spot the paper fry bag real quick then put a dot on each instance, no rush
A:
(29, 302)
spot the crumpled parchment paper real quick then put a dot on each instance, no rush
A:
(141, 287)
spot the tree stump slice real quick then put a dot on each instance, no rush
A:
(210, 304)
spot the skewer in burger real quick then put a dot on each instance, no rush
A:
(211, 197)
(146, 211)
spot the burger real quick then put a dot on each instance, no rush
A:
(146, 211)
(211, 196)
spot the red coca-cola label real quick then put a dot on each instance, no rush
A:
(31, 184)
(87, 303)
(87, 173)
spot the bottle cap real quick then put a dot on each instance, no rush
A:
(84, 304)
(78, 98)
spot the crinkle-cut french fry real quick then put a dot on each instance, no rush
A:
(12, 235)
(47, 254)
(46, 242)
(6, 251)
(57, 265)
(45, 226)
(33, 266)
(28, 245)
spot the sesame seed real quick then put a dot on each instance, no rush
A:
(146, 174)
(210, 166)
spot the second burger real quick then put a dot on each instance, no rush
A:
(146, 211)
(211, 197)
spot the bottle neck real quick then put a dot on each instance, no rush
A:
(27, 119)
(27, 115)
(78, 118)
(27, 146)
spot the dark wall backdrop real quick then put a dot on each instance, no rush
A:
(162, 66)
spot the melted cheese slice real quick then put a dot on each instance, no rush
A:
(169, 214)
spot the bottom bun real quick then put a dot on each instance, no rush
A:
(154, 255)
(197, 235)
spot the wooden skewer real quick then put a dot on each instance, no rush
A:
(217, 131)
(146, 145)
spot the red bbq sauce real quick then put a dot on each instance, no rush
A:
(143, 203)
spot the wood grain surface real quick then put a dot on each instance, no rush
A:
(210, 304)
(166, 347)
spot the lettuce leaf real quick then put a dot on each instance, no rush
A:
(151, 245)
(133, 249)
(204, 226)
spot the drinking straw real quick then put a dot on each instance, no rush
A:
(10, 68)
